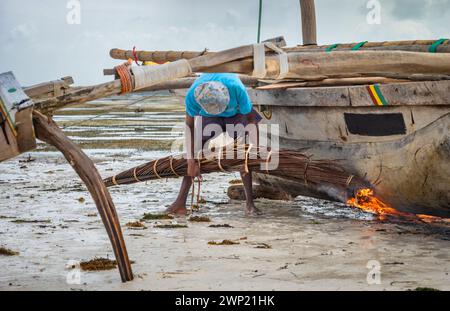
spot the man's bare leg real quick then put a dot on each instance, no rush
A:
(179, 206)
(249, 204)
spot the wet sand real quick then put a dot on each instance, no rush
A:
(47, 216)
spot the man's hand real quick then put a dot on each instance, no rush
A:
(193, 169)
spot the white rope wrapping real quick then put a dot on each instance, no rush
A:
(145, 76)
(259, 60)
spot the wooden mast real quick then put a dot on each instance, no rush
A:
(308, 13)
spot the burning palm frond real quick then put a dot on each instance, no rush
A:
(368, 202)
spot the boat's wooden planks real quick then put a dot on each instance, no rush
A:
(301, 97)
(397, 94)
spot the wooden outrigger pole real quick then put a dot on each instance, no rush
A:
(49, 132)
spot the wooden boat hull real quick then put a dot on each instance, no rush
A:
(412, 173)
(402, 148)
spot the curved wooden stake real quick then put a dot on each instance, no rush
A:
(46, 130)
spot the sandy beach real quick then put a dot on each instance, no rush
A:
(48, 217)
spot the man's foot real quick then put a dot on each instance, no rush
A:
(251, 210)
(177, 209)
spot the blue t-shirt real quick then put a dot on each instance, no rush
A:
(239, 100)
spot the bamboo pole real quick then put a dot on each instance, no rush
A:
(407, 46)
(170, 56)
(308, 13)
(155, 56)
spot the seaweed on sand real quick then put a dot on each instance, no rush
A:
(98, 264)
(170, 226)
(224, 242)
(263, 246)
(7, 252)
(32, 221)
(150, 216)
(199, 219)
(135, 225)
(235, 182)
(221, 226)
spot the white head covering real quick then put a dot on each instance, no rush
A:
(212, 96)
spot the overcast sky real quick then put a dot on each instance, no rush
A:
(38, 44)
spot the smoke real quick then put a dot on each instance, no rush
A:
(337, 193)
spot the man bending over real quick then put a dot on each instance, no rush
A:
(219, 99)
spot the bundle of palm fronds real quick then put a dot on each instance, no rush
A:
(289, 164)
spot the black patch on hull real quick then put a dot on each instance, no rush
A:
(371, 124)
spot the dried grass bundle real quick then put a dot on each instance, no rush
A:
(292, 165)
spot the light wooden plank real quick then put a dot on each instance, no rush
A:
(397, 94)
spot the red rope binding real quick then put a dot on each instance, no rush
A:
(126, 79)
(135, 56)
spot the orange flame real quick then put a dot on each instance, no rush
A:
(366, 201)
(432, 219)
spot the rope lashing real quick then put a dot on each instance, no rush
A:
(331, 47)
(198, 160)
(135, 56)
(359, 45)
(145, 76)
(134, 175)
(433, 47)
(349, 180)
(193, 193)
(269, 155)
(154, 169)
(259, 60)
(247, 152)
(171, 167)
(219, 156)
(114, 181)
(126, 80)
(199, 183)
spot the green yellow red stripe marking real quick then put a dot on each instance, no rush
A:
(376, 95)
